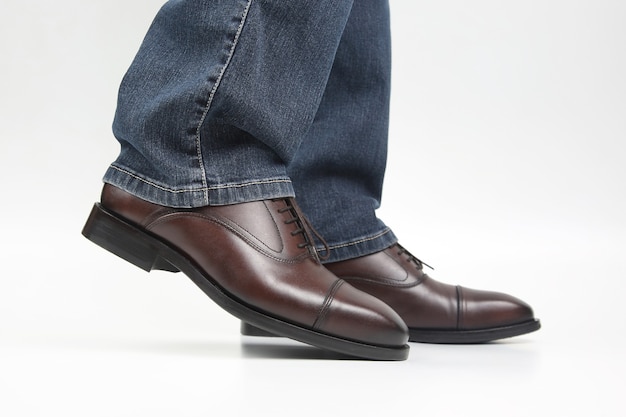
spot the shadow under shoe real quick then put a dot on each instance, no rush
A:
(257, 261)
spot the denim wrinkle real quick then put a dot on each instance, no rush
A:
(341, 189)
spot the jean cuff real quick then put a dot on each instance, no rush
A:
(215, 195)
(358, 247)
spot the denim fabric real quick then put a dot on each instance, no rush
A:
(338, 171)
(230, 101)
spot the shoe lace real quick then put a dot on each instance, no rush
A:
(305, 229)
(411, 258)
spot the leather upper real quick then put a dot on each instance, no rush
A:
(259, 252)
(397, 278)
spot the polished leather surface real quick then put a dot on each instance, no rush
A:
(398, 278)
(258, 253)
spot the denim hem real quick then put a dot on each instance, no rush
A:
(262, 189)
(360, 246)
(215, 195)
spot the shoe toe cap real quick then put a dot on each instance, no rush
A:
(487, 309)
(364, 318)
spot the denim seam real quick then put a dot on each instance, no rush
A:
(204, 189)
(356, 242)
(160, 187)
(212, 95)
(246, 184)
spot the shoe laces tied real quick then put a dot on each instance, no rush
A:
(420, 264)
(305, 229)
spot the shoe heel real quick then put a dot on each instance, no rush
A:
(124, 240)
(249, 330)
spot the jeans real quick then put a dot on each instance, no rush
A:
(231, 101)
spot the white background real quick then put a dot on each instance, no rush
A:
(506, 171)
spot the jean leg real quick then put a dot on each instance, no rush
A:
(338, 171)
(219, 97)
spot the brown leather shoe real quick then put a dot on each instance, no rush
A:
(433, 311)
(256, 261)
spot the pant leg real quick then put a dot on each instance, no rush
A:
(340, 190)
(219, 97)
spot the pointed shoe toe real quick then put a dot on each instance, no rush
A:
(485, 309)
(356, 314)
(436, 312)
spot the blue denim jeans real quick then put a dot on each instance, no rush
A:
(230, 101)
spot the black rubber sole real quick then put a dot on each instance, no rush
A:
(148, 252)
(439, 336)
(472, 336)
